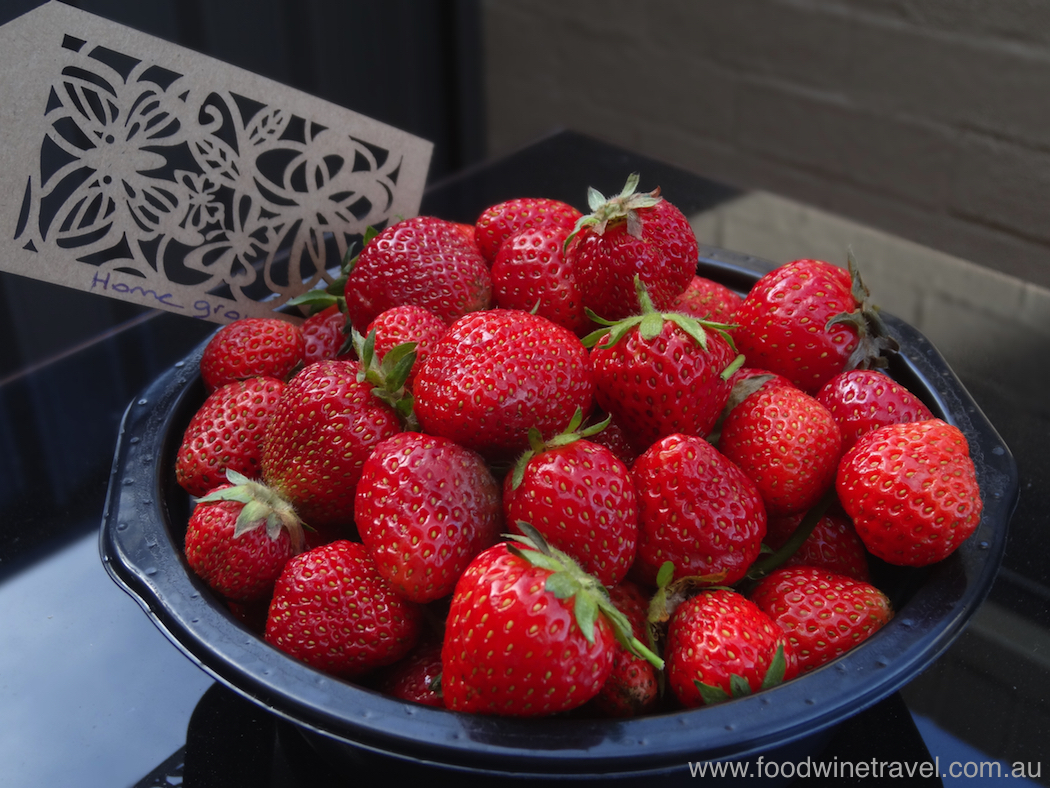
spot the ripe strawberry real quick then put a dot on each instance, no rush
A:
(833, 544)
(580, 497)
(863, 399)
(661, 373)
(415, 678)
(529, 633)
(531, 273)
(633, 686)
(226, 432)
(614, 438)
(324, 426)
(503, 221)
(332, 610)
(708, 300)
(697, 510)
(809, 320)
(786, 442)
(425, 507)
(251, 347)
(423, 261)
(239, 538)
(496, 374)
(408, 323)
(911, 490)
(720, 645)
(823, 614)
(627, 236)
(324, 335)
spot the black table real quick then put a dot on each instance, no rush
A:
(92, 694)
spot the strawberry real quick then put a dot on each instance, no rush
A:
(823, 614)
(226, 432)
(661, 373)
(627, 236)
(424, 261)
(633, 685)
(239, 538)
(324, 426)
(251, 347)
(720, 645)
(786, 442)
(425, 507)
(324, 335)
(531, 273)
(407, 323)
(503, 221)
(708, 300)
(580, 497)
(333, 610)
(863, 399)
(697, 510)
(614, 438)
(415, 678)
(495, 374)
(833, 544)
(911, 490)
(809, 320)
(529, 633)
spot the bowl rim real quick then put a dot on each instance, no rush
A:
(138, 549)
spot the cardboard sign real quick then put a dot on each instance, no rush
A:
(140, 170)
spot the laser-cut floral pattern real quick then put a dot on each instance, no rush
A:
(145, 174)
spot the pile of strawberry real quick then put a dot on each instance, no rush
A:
(536, 464)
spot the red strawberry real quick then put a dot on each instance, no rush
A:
(239, 538)
(786, 442)
(249, 348)
(833, 544)
(226, 432)
(614, 438)
(911, 490)
(632, 687)
(697, 510)
(531, 273)
(661, 373)
(809, 320)
(863, 399)
(720, 645)
(324, 335)
(496, 374)
(631, 235)
(823, 614)
(581, 498)
(707, 300)
(415, 678)
(408, 323)
(425, 507)
(332, 610)
(423, 261)
(504, 220)
(324, 426)
(528, 634)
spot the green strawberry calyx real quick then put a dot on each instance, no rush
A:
(388, 375)
(320, 298)
(573, 432)
(650, 323)
(874, 342)
(262, 507)
(739, 686)
(567, 580)
(622, 207)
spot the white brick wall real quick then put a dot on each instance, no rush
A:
(926, 118)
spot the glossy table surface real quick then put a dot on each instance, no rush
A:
(92, 694)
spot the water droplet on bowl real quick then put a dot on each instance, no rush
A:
(151, 570)
(143, 402)
(983, 545)
(134, 439)
(122, 526)
(998, 451)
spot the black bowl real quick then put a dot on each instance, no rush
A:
(141, 545)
